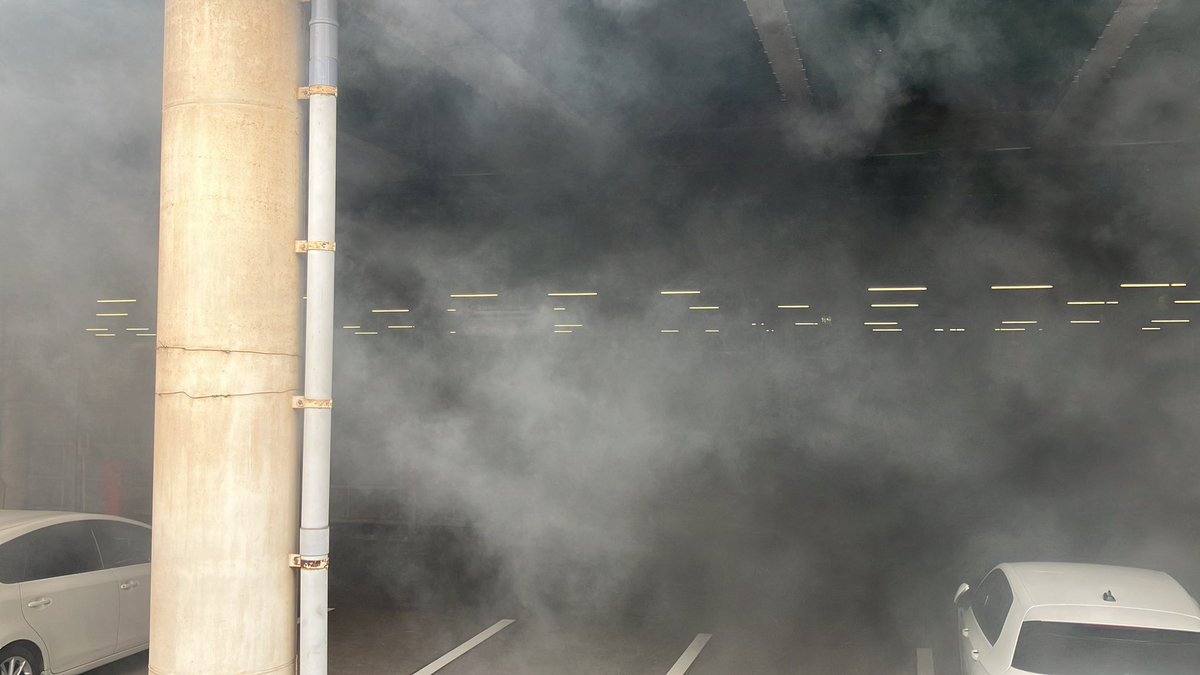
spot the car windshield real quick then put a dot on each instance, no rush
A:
(1051, 648)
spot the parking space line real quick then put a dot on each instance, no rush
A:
(689, 655)
(924, 661)
(464, 648)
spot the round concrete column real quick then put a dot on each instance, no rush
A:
(228, 364)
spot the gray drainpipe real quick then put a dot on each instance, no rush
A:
(318, 339)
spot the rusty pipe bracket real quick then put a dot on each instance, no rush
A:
(304, 246)
(297, 561)
(299, 403)
(304, 93)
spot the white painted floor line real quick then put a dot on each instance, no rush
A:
(689, 655)
(924, 661)
(464, 648)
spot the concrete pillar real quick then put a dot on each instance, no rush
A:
(226, 437)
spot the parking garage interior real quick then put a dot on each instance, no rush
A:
(738, 331)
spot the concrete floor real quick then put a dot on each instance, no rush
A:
(378, 641)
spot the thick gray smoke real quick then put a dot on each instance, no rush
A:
(818, 487)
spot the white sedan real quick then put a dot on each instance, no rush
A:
(1075, 619)
(74, 591)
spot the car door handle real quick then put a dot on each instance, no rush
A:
(128, 585)
(40, 602)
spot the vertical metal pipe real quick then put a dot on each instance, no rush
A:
(226, 470)
(318, 355)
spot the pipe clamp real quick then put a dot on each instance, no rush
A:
(303, 246)
(297, 561)
(311, 90)
(299, 403)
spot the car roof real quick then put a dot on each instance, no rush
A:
(1038, 584)
(24, 520)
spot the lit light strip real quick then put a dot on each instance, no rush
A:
(367, 332)
(400, 327)
(712, 330)
(105, 334)
(1153, 285)
(881, 323)
(568, 325)
(112, 314)
(134, 330)
(113, 302)
(679, 292)
(807, 323)
(147, 335)
(887, 330)
(351, 327)
(897, 289)
(669, 330)
(894, 305)
(474, 295)
(792, 306)
(557, 309)
(1151, 328)
(1170, 320)
(452, 310)
(710, 307)
(1085, 321)
(1018, 323)
(939, 330)
(1187, 302)
(1031, 287)
(1093, 302)
(1010, 330)
(388, 311)
(564, 331)
(97, 330)
(588, 294)
(958, 330)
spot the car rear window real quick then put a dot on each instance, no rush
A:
(1052, 648)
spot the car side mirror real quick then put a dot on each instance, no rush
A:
(962, 597)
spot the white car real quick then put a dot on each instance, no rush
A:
(1075, 619)
(74, 591)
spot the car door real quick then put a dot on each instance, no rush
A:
(66, 597)
(125, 549)
(982, 622)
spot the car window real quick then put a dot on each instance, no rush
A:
(991, 603)
(121, 544)
(53, 551)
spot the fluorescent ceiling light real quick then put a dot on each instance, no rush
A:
(939, 330)
(388, 311)
(1028, 287)
(568, 325)
(564, 331)
(112, 314)
(105, 334)
(679, 292)
(1017, 323)
(808, 323)
(881, 323)
(351, 327)
(146, 335)
(1145, 285)
(1170, 320)
(710, 307)
(560, 309)
(114, 301)
(366, 332)
(1085, 321)
(887, 330)
(400, 327)
(474, 295)
(897, 289)
(1187, 302)
(572, 295)
(712, 330)
(958, 330)
(96, 330)
(669, 330)
(792, 306)
(894, 305)
(1151, 328)
(1089, 302)
(1010, 330)
(135, 330)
